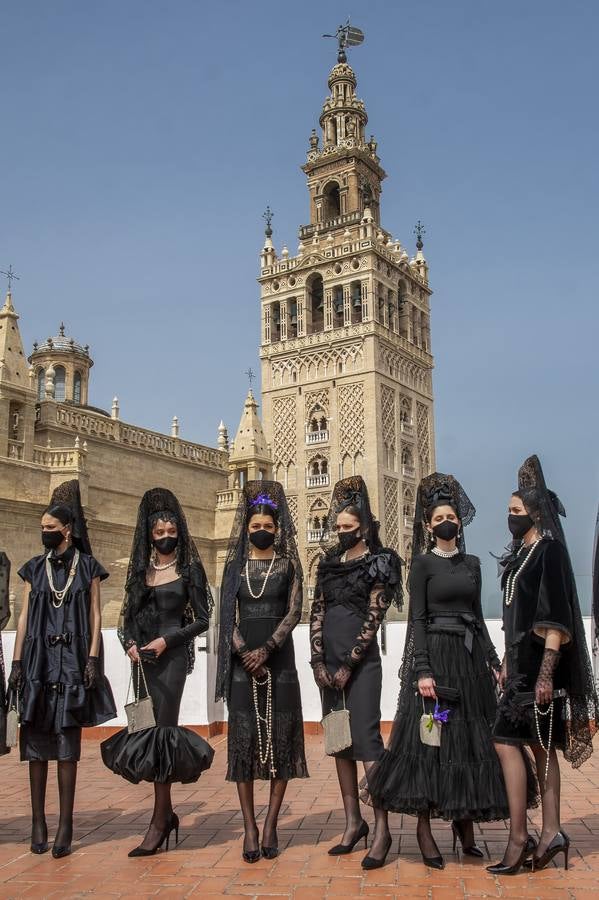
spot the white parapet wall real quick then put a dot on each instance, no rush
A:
(198, 706)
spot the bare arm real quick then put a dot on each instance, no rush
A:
(95, 618)
(22, 623)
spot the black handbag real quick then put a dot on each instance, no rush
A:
(527, 698)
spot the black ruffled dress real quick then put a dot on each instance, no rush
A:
(54, 704)
(166, 753)
(448, 639)
(542, 599)
(350, 603)
(267, 621)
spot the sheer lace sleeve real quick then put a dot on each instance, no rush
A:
(378, 605)
(316, 626)
(238, 645)
(293, 615)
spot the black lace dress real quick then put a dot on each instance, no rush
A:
(54, 703)
(542, 599)
(350, 603)
(267, 622)
(447, 639)
(168, 752)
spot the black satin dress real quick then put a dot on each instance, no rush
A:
(168, 752)
(54, 704)
(258, 620)
(542, 599)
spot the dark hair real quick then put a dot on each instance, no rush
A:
(263, 509)
(428, 512)
(166, 515)
(352, 510)
(61, 512)
(530, 501)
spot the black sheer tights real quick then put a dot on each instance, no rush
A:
(347, 773)
(161, 816)
(550, 796)
(424, 835)
(38, 777)
(514, 774)
(67, 780)
(245, 790)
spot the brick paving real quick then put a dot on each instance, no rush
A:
(112, 815)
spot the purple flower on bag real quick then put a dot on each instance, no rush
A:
(440, 715)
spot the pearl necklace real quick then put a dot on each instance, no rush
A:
(158, 568)
(60, 595)
(512, 579)
(266, 577)
(445, 554)
(547, 749)
(264, 722)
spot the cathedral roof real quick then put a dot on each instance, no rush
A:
(13, 366)
(62, 343)
(250, 442)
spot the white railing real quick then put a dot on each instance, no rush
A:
(408, 521)
(407, 428)
(15, 449)
(317, 437)
(317, 480)
(408, 471)
(226, 498)
(316, 535)
(60, 458)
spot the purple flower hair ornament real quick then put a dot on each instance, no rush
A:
(263, 500)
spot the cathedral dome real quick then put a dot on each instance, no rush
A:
(60, 343)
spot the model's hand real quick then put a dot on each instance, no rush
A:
(15, 679)
(321, 676)
(253, 660)
(132, 653)
(91, 673)
(341, 677)
(158, 645)
(261, 673)
(426, 687)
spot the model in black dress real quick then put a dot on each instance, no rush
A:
(261, 603)
(167, 605)
(357, 580)
(545, 651)
(57, 669)
(4, 617)
(450, 661)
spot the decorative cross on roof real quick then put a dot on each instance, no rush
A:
(251, 376)
(10, 276)
(267, 216)
(419, 230)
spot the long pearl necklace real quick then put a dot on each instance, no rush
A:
(60, 595)
(266, 577)
(547, 749)
(512, 579)
(264, 722)
(445, 554)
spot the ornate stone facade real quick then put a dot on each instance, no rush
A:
(346, 358)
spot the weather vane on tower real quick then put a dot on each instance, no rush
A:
(347, 36)
(10, 276)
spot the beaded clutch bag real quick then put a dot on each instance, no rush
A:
(12, 723)
(139, 712)
(337, 730)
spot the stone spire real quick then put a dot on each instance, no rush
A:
(250, 452)
(14, 369)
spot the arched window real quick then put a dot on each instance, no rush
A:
(41, 384)
(315, 304)
(77, 387)
(337, 306)
(60, 378)
(332, 201)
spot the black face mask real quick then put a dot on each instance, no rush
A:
(52, 539)
(349, 539)
(519, 525)
(262, 539)
(446, 530)
(166, 545)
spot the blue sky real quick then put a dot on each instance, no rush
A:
(142, 140)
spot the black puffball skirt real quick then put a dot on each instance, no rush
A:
(163, 753)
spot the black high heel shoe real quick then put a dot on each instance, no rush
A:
(559, 844)
(251, 856)
(472, 850)
(433, 862)
(40, 847)
(173, 825)
(372, 862)
(271, 852)
(528, 849)
(342, 849)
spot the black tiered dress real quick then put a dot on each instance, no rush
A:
(168, 752)
(448, 639)
(267, 621)
(54, 703)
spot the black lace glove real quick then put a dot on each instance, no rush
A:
(341, 677)
(321, 675)
(253, 660)
(15, 679)
(544, 683)
(91, 673)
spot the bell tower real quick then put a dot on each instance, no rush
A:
(346, 355)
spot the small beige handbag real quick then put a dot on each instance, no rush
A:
(337, 730)
(430, 731)
(12, 723)
(140, 713)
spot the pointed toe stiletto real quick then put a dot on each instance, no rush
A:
(342, 849)
(559, 844)
(39, 847)
(270, 852)
(528, 849)
(61, 852)
(251, 856)
(372, 862)
(433, 862)
(173, 825)
(471, 850)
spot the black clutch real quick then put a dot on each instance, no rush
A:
(449, 694)
(527, 698)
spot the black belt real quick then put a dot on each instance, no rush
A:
(65, 638)
(55, 686)
(462, 623)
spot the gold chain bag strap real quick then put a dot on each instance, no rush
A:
(12, 722)
(140, 713)
(337, 730)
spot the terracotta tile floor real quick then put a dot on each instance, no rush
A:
(111, 816)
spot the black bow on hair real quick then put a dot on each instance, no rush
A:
(557, 504)
(350, 498)
(440, 495)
